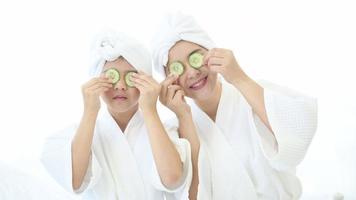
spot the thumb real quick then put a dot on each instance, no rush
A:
(215, 68)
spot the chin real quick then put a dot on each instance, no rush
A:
(204, 93)
(123, 107)
(207, 91)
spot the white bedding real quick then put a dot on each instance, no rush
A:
(15, 184)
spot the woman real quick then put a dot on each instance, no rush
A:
(246, 137)
(123, 151)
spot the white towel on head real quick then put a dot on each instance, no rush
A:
(176, 27)
(110, 45)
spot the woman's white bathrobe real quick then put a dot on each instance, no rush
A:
(239, 157)
(121, 166)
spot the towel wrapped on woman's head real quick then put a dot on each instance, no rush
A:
(174, 28)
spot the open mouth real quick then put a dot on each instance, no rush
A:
(199, 84)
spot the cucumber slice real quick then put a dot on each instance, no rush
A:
(113, 75)
(176, 68)
(128, 79)
(196, 60)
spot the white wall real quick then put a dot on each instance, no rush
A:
(306, 45)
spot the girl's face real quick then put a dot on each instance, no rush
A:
(197, 84)
(121, 98)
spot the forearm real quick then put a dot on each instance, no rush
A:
(166, 156)
(81, 148)
(188, 131)
(254, 95)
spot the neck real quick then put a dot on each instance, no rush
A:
(123, 118)
(210, 105)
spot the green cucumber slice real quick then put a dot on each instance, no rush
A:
(113, 75)
(176, 68)
(196, 60)
(128, 79)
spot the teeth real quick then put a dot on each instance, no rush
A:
(198, 83)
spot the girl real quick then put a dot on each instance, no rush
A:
(123, 151)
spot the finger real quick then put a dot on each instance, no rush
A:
(99, 85)
(140, 87)
(97, 80)
(218, 52)
(167, 82)
(141, 81)
(216, 68)
(100, 91)
(179, 95)
(140, 72)
(215, 61)
(172, 90)
(214, 52)
(149, 79)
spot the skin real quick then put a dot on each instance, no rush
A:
(144, 96)
(216, 61)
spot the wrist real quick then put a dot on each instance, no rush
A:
(184, 115)
(89, 116)
(149, 109)
(241, 79)
(90, 112)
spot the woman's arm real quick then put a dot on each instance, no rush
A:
(172, 96)
(254, 95)
(188, 131)
(223, 61)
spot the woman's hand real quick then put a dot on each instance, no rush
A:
(224, 62)
(172, 96)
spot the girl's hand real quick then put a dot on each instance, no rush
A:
(92, 90)
(149, 90)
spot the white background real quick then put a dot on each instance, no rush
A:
(306, 45)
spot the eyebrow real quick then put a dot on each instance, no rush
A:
(126, 71)
(194, 51)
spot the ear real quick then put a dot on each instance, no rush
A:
(166, 71)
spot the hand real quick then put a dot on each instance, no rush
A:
(172, 96)
(149, 90)
(91, 92)
(224, 62)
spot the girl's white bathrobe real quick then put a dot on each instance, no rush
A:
(240, 158)
(121, 165)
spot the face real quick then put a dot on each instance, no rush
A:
(197, 84)
(121, 98)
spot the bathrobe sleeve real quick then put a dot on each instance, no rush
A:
(293, 118)
(57, 159)
(181, 191)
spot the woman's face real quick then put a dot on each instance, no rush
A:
(121, 98)
(197, 84)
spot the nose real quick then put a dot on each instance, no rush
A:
(191, 72)
(120, 85)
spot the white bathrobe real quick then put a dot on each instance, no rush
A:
(239, 157)
(121, 166)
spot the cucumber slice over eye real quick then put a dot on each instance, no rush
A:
(176, 68)
(128, 80)
(113, 75)
(196, 60)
